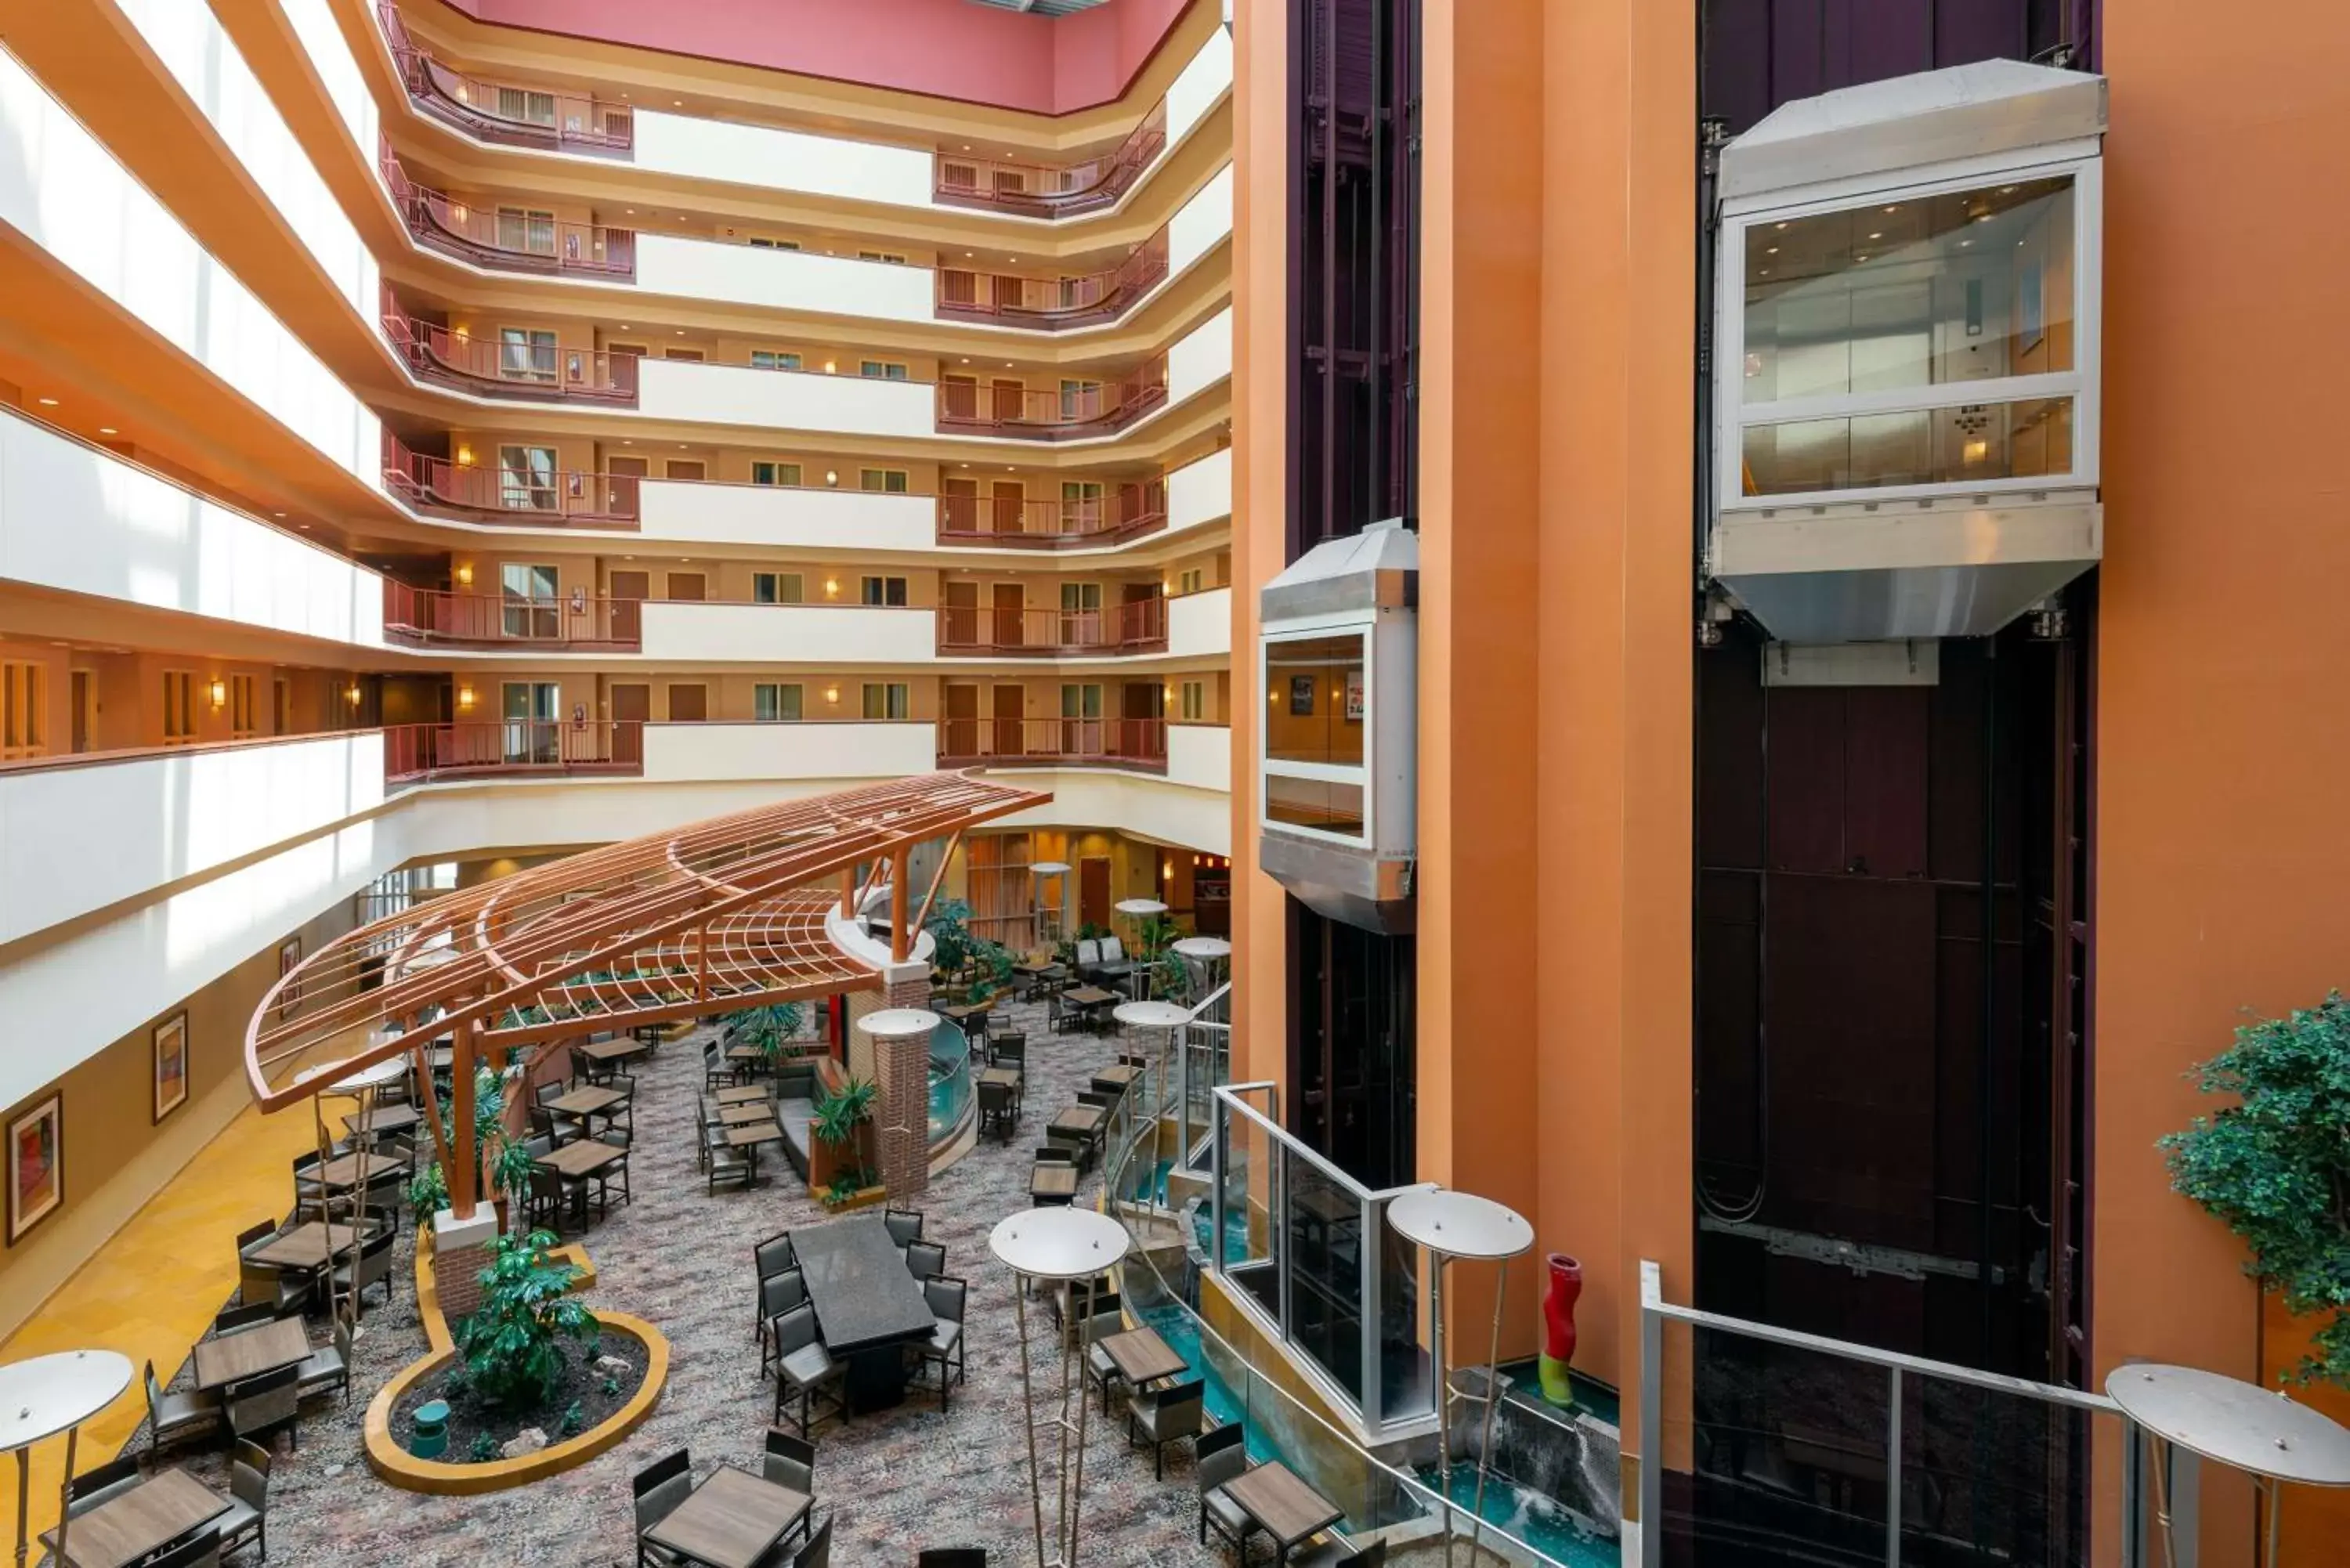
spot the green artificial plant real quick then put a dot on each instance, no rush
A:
(2274, 1166)
(513, 1342)
(841, 1112)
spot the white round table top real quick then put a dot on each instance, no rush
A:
(897, 1022)
(1058, 1243)
(1204, 948)
(1139, 907)
(48, 1394)
(1460, 1224)
(372, 1076)
(1151, 1014)
(2241, 1424)
(1051, 867)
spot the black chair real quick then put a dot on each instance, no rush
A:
(774, 1254)
(946, 1299)
(904, 1225)
(1219, 1456)
(951, 1557)
(778, 1293)
(791, 1462)
(247, 1522)
(659, 1487)
(543, 1205)
(328, 1367)
(235, 1318)
(805, 1368)
(924, 1259)
(259, 1406)
(1331, 1552)
(1164, 1416)
(603, 1176)
(997, 1110)
(372, 1267)
(91, 1487)
(1009, 1049)
(198, 1551)
(817, 1553)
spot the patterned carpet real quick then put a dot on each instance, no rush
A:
(893, 1482)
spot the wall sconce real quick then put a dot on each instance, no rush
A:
(832, 695)
(1167, 871)
(457, 213)
(464, 456)
(351, 695)
(832, 478)
(219, 693)
(832, 588)
(465, 697)
(465, 574)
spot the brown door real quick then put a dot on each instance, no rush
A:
(628, 588)
(962, 722)
(621, 360)
(1007, 397)
(1010, 711)
(958, 397)
(1141, 706)
(684, 468)
(631, 706)
(1092, 891)
(625, 472)
(961, 628)
(961, 498)
(1011, 506)
(687, 586)
(688, 704)
(1010, 604)
(1144, 617)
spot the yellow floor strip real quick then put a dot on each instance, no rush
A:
(152, 1289)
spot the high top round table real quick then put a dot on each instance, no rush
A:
(1462, 1225)
(43, 1396)
(1051, 927)
(1060, 1245)
(1138, 910)
(2230, 1422)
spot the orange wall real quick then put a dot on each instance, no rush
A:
(2221, 853)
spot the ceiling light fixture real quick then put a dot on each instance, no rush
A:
(1878, 236)
(48, 402)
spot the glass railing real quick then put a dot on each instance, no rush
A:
(951, 1090)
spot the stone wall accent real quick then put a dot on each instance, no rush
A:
(902, 1117)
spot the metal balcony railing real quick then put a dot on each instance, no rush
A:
(508, 236)
(510, 113)
(512, 366)
(1137, 627)
(493, 747)
(1133, 744)
(1078, 410)
(528, 496)
(1051, 191)
(425, 618)
(1051, 304)
(1017, 522)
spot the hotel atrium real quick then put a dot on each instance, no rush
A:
(1171, 782)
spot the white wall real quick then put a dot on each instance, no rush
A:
(851, 752)
(840, 637)
(201, 57)
(79, 838)
(1200, 755)
(1200, 492)
(64, 193)
(1201, 357)
(82, 521)
(785, 517)
(1201, 223)
(1198, 819)
(330, 56)
(1200, 624)
(784, 280)
(787, 399)
(782, 159)
(1198, 86)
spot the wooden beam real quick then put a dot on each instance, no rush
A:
(938, 879)
(898, 942)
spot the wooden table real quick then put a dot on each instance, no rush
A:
(1051, 1178)
(249, 1351)
(741, 1093)
(1089, 1000)
(385, 1119)
(964, 1013)
(584, 1104)
(748, 1114)
(613, 1050)
(745, 1054)
(730, 1521)
(151, 1515)
(1285, 1507)
(748, 1135)
(1141, 1356)
(1080, 1121)
(1007, 1076)
(303, 1247)
(354, 1170)
(1116, 1080)
(582, 1156)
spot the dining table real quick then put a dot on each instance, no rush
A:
(244, 1352)
(131, 1526)
(741, 1094)
(614, 1050)
(746, 1113)
(356, 1169)
(1283, 1507)
(869, 1308)
(1080, 1121)
(303, 1247)
(1007, 1078)
(1142, 1357)
(587, 1103)
(1117, 1078)
(1089, 1000)
(732, 1520)
(582, 1156)
(748, 1136)
(385, 1119)
(1053, 1181)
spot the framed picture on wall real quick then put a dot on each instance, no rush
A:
(1301, 696)
(1354, 696)
(36, 1182)
(289, 958)
(171, 1064)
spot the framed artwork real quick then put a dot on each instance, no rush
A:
(1301, 696)
(290, 956)
(36, 1181)
(1354, 696)
(171, 1064)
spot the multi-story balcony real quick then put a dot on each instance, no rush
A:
(1049, 189)
(1136, 744)
(514, 497)
(1076, 411)
(524, 371)
(425, 618)
(511, 114)
(1018, 521)
(1139, 626)
(1057, 303)
(508, 747)
(511, 239)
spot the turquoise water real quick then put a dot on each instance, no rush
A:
(1528, 1515)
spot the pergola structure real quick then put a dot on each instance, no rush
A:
(722, 915)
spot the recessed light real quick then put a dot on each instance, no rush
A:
(966, 358)
(106, 429)
(48, 402)
(966, 147)
(966, 255)
(677, 103)
(626, 327)
(1878, 236)
(277, 515)
(1964, 243)
(1772, 251)
(1765, 273)
(2007, 190)
(1782, 225)
(629, 441)
(1895, 208)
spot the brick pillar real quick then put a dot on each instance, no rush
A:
(901, 1070)
(460, 1250)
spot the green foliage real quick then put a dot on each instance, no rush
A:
(950, 928)
(839, 1114)
(510, 1164)
(572, 1420)
(611, 1388)
(846, 1184)
(484, 1447)
(1170, 980)
(428, 1193)
(2275, 1166)
(768, 1028)
(513, 1343)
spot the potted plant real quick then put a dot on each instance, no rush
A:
(840, 1125)
(2274, 1167)
(513, 1342)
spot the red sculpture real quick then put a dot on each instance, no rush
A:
(1558, 1327)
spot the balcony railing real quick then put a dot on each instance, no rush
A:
(1137, 627)
(1053, 303)
(509, 238)
(505, 112)
(1136, 744)
(1019, 523)
(1050, 191)
(425, 618)
(502, 747)
(1093, 409)
(522, 369)
(526, 497)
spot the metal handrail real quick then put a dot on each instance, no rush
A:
(462, 100)
(1051, 191)
(1053, 303)
(522, 244)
